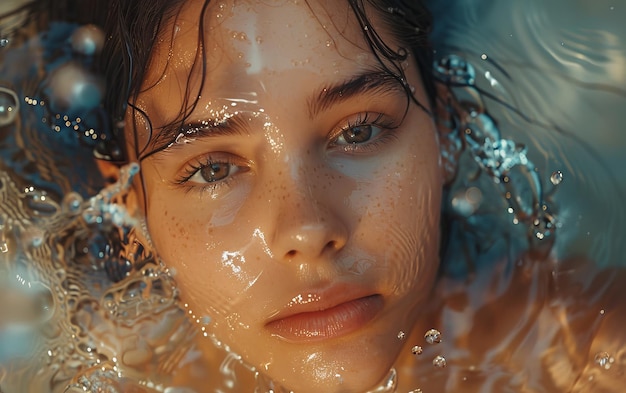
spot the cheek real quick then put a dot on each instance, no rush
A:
(402, 223)
(183, 246)
(199, 242)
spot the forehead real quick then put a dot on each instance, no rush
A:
(244, 47)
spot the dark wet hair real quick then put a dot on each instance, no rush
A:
(133, 27)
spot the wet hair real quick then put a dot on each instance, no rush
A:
(133, 28)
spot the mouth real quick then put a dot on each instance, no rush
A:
(326, 323)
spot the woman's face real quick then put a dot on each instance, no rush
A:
(300, 208)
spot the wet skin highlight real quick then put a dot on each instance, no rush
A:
(304, 172)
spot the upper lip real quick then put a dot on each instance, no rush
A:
(320, 299)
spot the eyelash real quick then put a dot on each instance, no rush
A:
(363, 119)
(200, 163)
(383, 122)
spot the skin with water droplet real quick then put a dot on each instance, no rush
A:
(230, 245)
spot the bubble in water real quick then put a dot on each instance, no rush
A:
(3, 42)
(466, 202)
(455, 69)
(603, 359)
(87, 40)
(401, 335)
(8, 106)
(417, 350)
(433, 336)
(439, 361)
(33, 236)
(74, 90)
(556, 177)
(72, 202)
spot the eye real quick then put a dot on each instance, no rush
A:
(212, 172)
(358, 134)
(364, 132)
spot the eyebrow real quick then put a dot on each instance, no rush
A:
(373, 82)
(233, 125)
(376, 82)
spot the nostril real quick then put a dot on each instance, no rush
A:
(291, 253)
(332, 245)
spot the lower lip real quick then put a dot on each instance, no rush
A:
(325, 324)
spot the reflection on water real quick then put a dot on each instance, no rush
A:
(556, 82)
(77, 313)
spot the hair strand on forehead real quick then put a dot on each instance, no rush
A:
(136, 26)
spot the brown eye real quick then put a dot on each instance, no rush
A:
(213, 172)
(358, 134)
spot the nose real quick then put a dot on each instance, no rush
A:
(308, 221)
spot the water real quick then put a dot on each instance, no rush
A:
(80, 314)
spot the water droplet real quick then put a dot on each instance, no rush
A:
(603, 359)
(483, 56)
(259, 40)
(416, 391)
(433, 336)
(362, 58)
(72, 202)
(3, 42)
(401, 335)
(329, 43)
(8, 106)
(33, 236)
(439, 361)
(556, 177)
(455, 69)
(417, 350)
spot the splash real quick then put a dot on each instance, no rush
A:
(65, 323)
(504, 160)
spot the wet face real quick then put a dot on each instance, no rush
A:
(299, 203)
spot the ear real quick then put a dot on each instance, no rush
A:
(450, 145)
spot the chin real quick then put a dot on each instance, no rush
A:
(358, 365)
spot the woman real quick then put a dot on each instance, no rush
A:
(274, 170)
(293, 185)
(292, 173)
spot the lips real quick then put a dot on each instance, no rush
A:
(322, 320)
